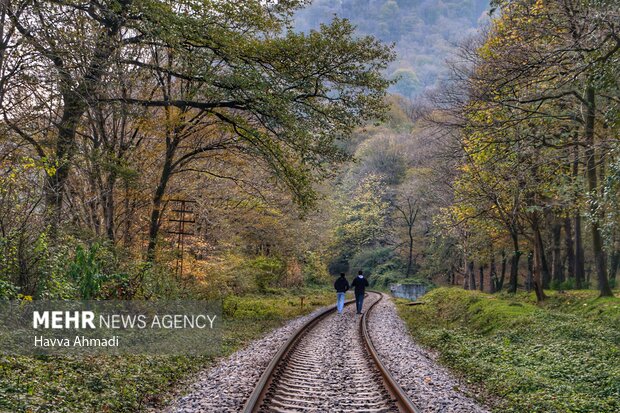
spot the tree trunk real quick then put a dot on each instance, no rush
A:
(481, 285)
(128, 216)
(614, 263)
(557, 269)
(579, 253)
(539, 254)
(580, 270)
(73, 110)
(569, 246)
(538, 288)
(156, 212)
(471, 275)
(590, 152)
(465, 280)
(503, 272)
(108, 206)
(530, 272)
(514, 264)
(410, 250)
(544, 266)
(91, 206)
(494, 281)
(76, 94)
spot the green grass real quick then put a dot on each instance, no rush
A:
(133, 383)
(561, 357)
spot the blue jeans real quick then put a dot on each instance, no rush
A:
(340, 302)
(359, 302)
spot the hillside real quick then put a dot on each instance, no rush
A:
(424, 31)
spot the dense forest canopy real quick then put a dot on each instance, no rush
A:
(493, 162)
(112, 111)
(502, 175)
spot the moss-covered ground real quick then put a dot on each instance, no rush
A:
(562, 356)
(133, 383)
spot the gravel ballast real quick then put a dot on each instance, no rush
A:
(226, 385)
(329, 370)
(429, 385)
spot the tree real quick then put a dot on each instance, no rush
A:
(285, 97)
(409, 213)
(407, 82)
(553, 73)
(70, 68)
(363, 221)
(527, 88)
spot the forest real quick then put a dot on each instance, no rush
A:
(533, 113)
(502, 174)
(133, 107)
(250, 151)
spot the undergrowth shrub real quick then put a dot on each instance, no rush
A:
(314, 270)
(382, 265)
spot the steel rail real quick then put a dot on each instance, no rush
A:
(405, 404)
(253, 403)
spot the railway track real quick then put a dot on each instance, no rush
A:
(330, 365)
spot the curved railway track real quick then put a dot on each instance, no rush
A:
(330, 365)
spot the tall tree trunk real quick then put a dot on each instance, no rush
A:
(514, 264)
(597, 239)
(569, 246)
(540, 293)
(77, 94)
(409, 213)
(494, 281)
(410, 250)
(503, 272)
(108, 206)
(614, 260)
(465, 272)
(471, 275)
(539, 254)
(3, 19)
(580, 270)
(614, 263)
(481, 285)
(158, 196)
(92, 205)
(557, 269)
(530, 272)
(544, 266)
(74, 108)
(128, 216)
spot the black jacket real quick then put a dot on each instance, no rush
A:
(360, 285)
(341, 285)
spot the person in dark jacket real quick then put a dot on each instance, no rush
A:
(360, 283)
(341, 285)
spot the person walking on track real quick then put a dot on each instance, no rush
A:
(341, 285)
(360, 283)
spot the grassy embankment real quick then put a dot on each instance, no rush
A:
(561, 357)
(130, 384)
